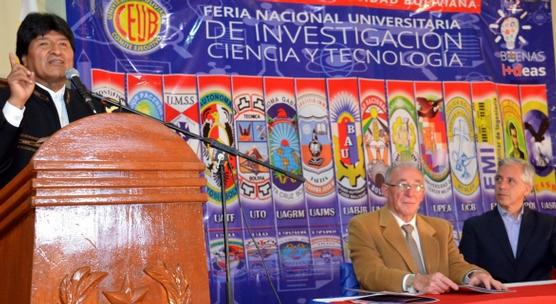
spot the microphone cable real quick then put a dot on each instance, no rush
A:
(266, 271)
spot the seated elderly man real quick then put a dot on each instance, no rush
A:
(512, 242)
(397, 249)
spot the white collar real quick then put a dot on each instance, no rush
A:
(412, 222)
(56, 95)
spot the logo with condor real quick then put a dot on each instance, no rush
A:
(135, 26)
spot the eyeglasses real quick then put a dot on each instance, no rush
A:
(405, 186)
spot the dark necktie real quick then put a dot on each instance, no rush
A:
(413, 247)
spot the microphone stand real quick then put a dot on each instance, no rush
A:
(221, 158)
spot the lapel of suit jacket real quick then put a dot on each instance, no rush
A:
(429, 244)
(525, 230)
(392, 233)
(44, 96)
(498, 232)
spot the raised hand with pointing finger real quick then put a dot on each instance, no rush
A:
(21, 82)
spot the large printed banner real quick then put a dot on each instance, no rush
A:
(335, 91)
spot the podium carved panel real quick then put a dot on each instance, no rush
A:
(83, 284)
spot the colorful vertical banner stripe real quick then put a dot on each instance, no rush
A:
(316, 151)
(254, 184)
(181, 106)
(536, 124)
(345, 121)
(318, 170)
(433, 143)
(288, 194)
(512, 126)
(489, 143)
(216, 119)
(376, 137)
(462, 150)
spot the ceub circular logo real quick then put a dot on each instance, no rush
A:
(135, 26)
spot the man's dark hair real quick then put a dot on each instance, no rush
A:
(39, 24)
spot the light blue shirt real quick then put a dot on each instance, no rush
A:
(512, 225)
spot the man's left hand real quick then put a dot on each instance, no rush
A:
(484, 279)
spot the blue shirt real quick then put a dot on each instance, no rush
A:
(512, 225)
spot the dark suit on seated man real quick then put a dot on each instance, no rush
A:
(512, 242)
(423, 259)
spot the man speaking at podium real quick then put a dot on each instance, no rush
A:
(396, 249)
(35, 101)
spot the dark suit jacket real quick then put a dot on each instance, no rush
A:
(484, 242)
(381, 257)
(40, 120)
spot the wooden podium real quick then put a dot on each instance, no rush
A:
(108, 211)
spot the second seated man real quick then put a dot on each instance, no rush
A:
(514, 243)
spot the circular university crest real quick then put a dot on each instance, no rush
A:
(135, 26)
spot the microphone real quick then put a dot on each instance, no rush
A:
(73, 76)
